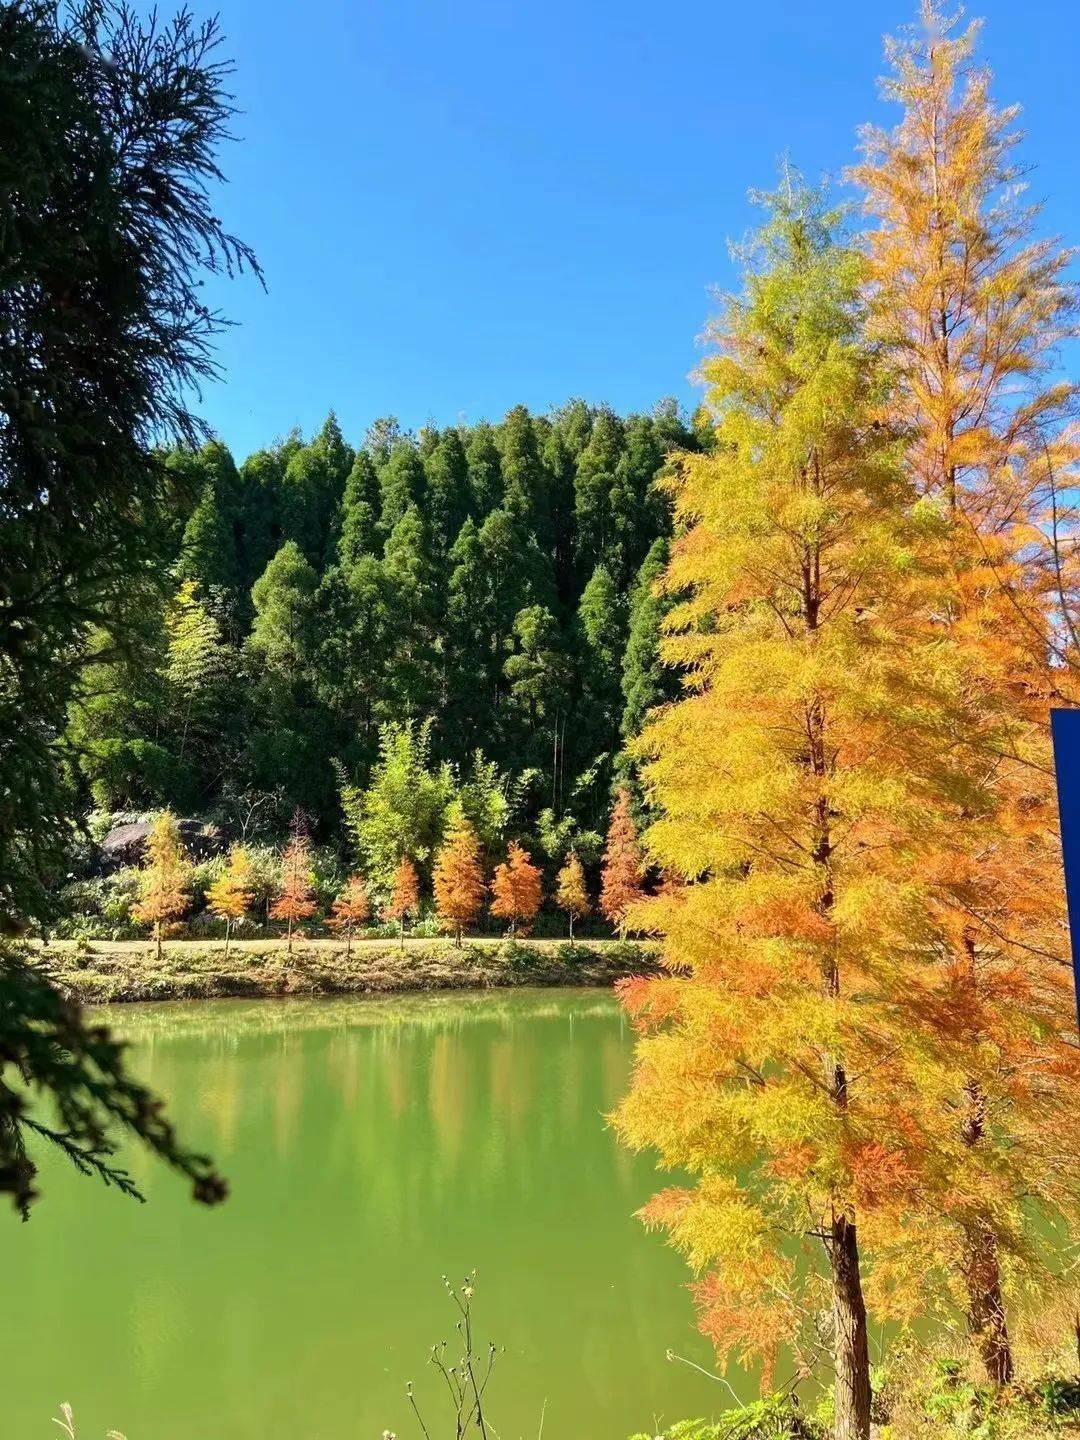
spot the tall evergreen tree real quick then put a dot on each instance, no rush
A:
(401, 483)
(540, 677)
(525, 479)
(287, 745)
(208, 554)
(311, 491)
(645, 679)
(200, 669)
(470, 678)
(106, 169)
(413, 599)
(448, 497)
(593, 483)
(338, 455)
(260, 536)
(601, 641)
(360, 508)
(485, 476)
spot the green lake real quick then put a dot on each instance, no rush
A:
(371, 1146)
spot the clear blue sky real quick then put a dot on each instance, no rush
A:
(463, 206)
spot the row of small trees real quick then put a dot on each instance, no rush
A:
(461, 890)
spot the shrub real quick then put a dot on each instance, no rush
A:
(573, 955)
(519, 958)
(98, 909)
(777, 1417)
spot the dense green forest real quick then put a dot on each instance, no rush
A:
(484, 590)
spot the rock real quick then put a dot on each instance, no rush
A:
(126, 844)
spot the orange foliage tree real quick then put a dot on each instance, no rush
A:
(296, 894)
(972, 307)
(571, 893)
(404, 902)
(351, 907)
(165, 883)
(623, 868)
(231, 893)
(516, 889)
(459, 879)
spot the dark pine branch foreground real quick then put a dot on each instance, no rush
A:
(48, 1049)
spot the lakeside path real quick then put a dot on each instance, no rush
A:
(106, 971)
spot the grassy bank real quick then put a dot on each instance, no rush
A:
(100, 971)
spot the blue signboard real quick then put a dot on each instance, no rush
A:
(1065, 728)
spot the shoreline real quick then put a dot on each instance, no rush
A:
(129, 972)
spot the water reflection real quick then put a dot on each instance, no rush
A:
(372, 1145)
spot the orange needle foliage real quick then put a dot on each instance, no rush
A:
(230, 895)
(459, 879)
(404, 902)
(351, 907)
(516, 889)
(165, 883)
(620, 882)
(296, 895)
(972, 308)
(571, 894)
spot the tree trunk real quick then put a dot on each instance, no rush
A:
(289, 946)
(571, 927)
(852, 1354)
(228, 927)
(986, 1306)
(157, 937)
(987, 1325)
(348, 941)
(401, 936)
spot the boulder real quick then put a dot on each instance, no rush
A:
(126, 844)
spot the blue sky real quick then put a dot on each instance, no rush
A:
(464, 206)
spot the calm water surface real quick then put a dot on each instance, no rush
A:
(371, 1147)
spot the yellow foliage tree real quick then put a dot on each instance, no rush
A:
(778, 1061)
(229, 897)
(165, 883)
(571, 893)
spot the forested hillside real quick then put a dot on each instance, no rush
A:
(487, 586)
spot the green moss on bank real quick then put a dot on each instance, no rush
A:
(99, 972)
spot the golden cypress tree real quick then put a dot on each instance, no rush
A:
(777, 1061)
(972, 308)
(459, 879)
(972, 305)
(350, 908)
(165, 883)
(230, 895)
(571, 893)
(296, 893)
(516, 889)
(404, 902)
(623, 868)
